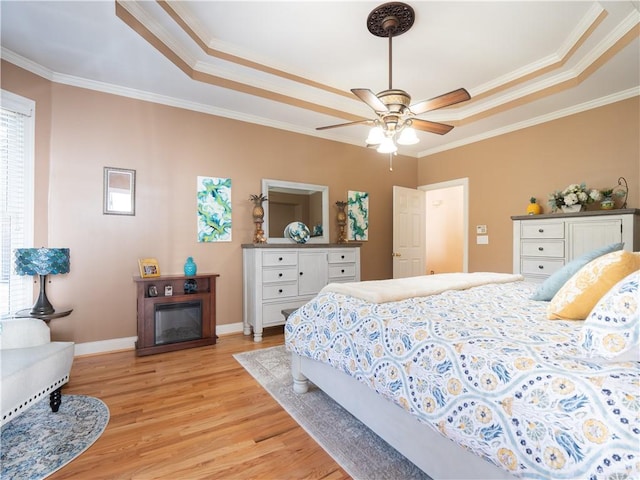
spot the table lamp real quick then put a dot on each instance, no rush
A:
(42, 262)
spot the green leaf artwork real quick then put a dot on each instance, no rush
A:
(214, 209)
(357, 216)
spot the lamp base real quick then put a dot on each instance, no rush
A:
(43, 305)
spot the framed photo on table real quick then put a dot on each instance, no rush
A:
(149, 267)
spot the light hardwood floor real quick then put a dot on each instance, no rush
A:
(192, 414)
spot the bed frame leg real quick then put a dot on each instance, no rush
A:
(300, 382)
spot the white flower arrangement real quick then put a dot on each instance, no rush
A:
(574, 194)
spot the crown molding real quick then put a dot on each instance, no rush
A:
(583, 107)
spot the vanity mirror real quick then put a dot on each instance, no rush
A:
(295, 202)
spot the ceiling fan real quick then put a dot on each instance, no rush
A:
(395, 114)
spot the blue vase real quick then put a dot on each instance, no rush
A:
(190, 267)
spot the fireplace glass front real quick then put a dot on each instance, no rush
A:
(178, 322)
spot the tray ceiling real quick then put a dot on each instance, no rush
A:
(291, 64)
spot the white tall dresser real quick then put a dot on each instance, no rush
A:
(542, 244)
(283, 276)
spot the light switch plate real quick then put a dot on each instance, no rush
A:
(482, 239)
(481, 229)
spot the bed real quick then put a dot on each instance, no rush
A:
(467, 376)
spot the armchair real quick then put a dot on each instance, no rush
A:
(31, 365)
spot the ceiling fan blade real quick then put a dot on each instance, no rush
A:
(451, 98)
(368, 97)
(431, 127)
(370, 122)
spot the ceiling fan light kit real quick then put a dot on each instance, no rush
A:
(396, 117)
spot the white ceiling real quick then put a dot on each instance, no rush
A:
(523, 62)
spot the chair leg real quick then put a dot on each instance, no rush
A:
(55, 399)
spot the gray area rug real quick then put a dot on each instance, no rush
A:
(39, 442)
(359, 451)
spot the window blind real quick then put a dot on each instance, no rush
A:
(16, 198)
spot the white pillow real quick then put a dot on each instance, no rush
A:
(612, 329)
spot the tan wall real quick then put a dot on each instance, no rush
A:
(81, 131)
(596, 147)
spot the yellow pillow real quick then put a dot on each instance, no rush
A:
(577, 297)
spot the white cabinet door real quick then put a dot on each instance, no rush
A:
(586, 236)
(312, 272)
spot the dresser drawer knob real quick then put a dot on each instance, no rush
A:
(342, 271)
(342, 256)
(280, 274)
(541, 230)
(540, 249)
(280, 290)
(301, 273)
(279, 259)
(541, 267)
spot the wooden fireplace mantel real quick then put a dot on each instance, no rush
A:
(206, 293)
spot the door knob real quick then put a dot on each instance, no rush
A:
(396, 254)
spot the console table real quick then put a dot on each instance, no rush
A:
(184, 318)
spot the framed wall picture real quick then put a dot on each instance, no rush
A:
(119, 196)
(149, 267)
(214, 209)
(357, 216)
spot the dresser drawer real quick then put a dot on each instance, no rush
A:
(271, 275)
(271, 259)
(269, 292)
(542, 230)
(543, 248)
(342, 256)
(338, 272)
(540, 266)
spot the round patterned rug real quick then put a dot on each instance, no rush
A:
(39, 442)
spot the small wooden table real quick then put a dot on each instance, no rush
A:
(26, 313)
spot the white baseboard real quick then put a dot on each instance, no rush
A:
(229, 328)
(105, 346)
(129, 343)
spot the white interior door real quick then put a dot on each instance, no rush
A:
(409, 235)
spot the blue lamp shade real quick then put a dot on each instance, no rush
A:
(41, 261)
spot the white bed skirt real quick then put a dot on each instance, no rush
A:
(436, 455)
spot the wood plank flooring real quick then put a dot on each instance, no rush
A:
(192, 414)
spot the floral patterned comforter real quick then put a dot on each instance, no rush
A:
(487, 369)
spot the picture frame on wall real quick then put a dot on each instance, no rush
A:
(149, 267)
(357, 216)
(119, 193)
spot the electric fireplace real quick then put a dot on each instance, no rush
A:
(184, 317)
(177, 322)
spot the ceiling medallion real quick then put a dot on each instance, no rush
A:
(393, 17)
